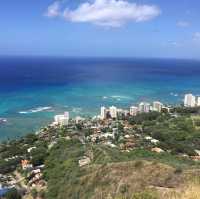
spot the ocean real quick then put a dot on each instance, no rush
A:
(34, 89)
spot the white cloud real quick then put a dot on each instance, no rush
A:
(113, 13)
(183, 24)
(196, 36)
(53, 10)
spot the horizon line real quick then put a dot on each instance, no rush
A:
(97, 57)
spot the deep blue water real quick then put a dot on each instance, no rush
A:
(82, 85)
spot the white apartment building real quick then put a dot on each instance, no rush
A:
(189, 100)
(133, 110)
(62, 119)
(103, 113)
(157, 106)
(198, 101)
(113, 111)
(144, 107)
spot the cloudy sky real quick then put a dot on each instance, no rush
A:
(112, 28)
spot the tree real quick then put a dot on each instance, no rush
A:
(8, 166)
(38, 156)
(30, 139)
(34, 193)
(79, 126)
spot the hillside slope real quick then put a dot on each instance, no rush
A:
(109, 176)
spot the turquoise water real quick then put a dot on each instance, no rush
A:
(33, 90)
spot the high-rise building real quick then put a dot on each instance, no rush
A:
(66, 114)
(189, 100)
(62, 119)
(141, 107)
(103, 113)
(157, 106)
(133, 110)
(144, 107)
(198, 101)
(113, 111)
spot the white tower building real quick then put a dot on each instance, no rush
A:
(103, 113)
(157, 106)
(189, 100)
(62, 119)
(113, 111)
(144, 107)
(198, 101)
(133, 110)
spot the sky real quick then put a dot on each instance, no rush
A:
(101, 28)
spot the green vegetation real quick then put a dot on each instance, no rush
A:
(62, 170)
(13, 194)
(67, 180)
(38, 155)
(8, 166)
(178, 135)
(142, 117)
(113, 172)
(12, 152)
(34, 193)
(105, 154)
(145, 195)
(186, 110)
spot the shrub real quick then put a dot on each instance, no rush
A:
(34, 193)
(124, 188)
(41, 194)
(144, 195)
(178, 170)
(138, 164)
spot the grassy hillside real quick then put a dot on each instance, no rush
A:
(111, 174)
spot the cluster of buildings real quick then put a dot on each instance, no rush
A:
(63, 120)
(143, 107)
(34, 173)
(113, 112)
(191, 100)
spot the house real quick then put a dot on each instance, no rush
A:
(195, 158)
(129, 145)
(84, 161)
(154, 141)
(108, 135)
(197, 152)
(26, 164)
(157, 150)
(127, 136)
(148, 138)
(30, 149)
(108, 143)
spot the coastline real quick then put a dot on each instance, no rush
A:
(44, 115)
(82, 86)
(146, 134)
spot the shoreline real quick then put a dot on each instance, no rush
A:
(48, 112)
(73, 115)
